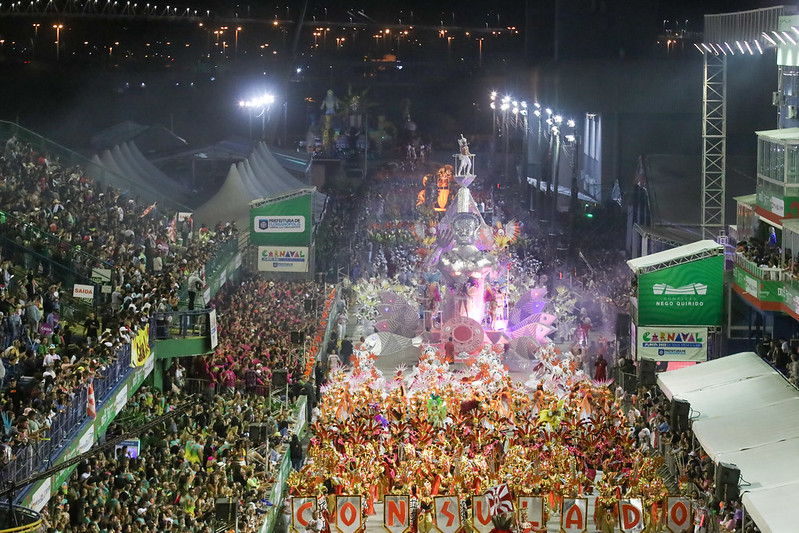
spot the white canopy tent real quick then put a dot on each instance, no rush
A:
(745, 413)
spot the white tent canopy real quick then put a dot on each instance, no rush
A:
(745, 413)
(258, 176)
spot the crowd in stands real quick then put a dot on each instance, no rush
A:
(55, 219)
(717, 512)
(180, 470)
(206, 453)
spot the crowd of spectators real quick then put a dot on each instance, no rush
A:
(714, 510)
(56, 220)
(180, 470)
(208, 452)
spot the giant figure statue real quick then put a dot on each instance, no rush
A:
(465, 266)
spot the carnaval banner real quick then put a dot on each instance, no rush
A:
(348, 514)
(574, 515)
(302, 509)
(631, 515)
(448, 515)
(678, 514)
(672, 344)
(530, 509)
(397, 513)
(481, 515)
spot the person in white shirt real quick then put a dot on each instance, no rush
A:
(51, 358)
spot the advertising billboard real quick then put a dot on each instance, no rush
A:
(672, 344)
(282, 221)
(690, 294)
(283, 258)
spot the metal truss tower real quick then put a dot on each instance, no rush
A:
(714, 145)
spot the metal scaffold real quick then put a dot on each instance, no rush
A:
(714, 144)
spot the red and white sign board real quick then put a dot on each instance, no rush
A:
(448, 514)
(574, 515)
(397, 513)
(481, 515)
(82, 291)
(530, 509)
(678, 514)
(349, 518)
(302, 512)
(631, 515)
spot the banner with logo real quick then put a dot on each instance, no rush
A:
(302, 512)
(672, 344)
(348, 514)
(140, 347)
(282, 221)
(448, 514)
(397, 513)
(690, 294)
(283, 258)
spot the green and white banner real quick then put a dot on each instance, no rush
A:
(672, 344)
(282, 221)
(690, 294)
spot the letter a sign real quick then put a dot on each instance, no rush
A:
(448, 514)
(481, 515)
(397, 514)
(631, 515)
(348, 514)
(678, 514)
(574, 515)
(531, 509)
(301, 512)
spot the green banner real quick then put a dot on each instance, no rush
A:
(285, 220)
(782, 206)
(690, 294)
(763, 290)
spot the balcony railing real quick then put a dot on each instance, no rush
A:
(764, 273)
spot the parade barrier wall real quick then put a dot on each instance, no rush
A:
(73, 431)
(746, 414)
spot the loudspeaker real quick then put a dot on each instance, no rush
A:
(647, 373)
(297, 337)
(280, 378)
(726, 492)
(727, 473)
(623, 326)
(680, 411)
(226, 509)
(258, 432)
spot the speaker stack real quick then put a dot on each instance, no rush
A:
(727, 476)
(647, 373)
(680, 415)
(226, 510)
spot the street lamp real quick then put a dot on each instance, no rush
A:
(58, 28)
(35, 38)
(236, 49)
(264, 103)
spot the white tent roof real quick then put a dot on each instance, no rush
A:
(745, 413)
(646, 262)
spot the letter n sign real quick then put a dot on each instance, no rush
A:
(348, 514)
(301, 512)
(448, 514)
(574, 515)
(397, 514)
